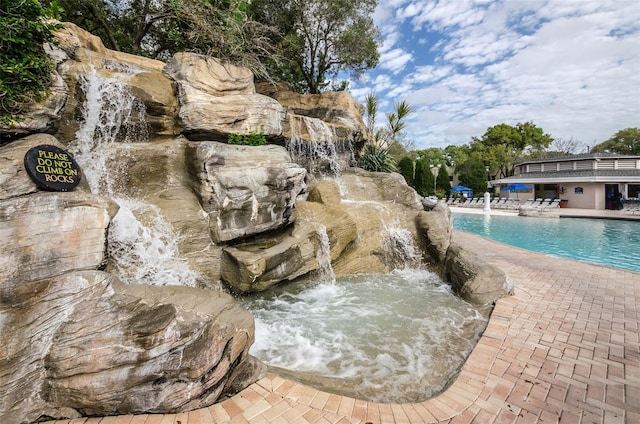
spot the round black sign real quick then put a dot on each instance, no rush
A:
(52, 168)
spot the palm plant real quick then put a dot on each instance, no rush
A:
(376, 156)
(376, 159)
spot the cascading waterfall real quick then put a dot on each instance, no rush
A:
(323, 256)
(321, 158)
(400, 250)
(142, 246)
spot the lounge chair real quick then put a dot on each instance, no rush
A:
(528, 203)
(514, 204)
(554, 204)
(544, 204)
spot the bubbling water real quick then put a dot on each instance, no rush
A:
(397, 337)
(142, 246)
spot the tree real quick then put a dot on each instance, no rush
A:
(624, 142)
(320, 38)
(472, 174)
(442, 180)
(161, 28)
(424, 178)
(405, 167)
(25, 68)
(379, 140)
(502, 146)
(386, 136)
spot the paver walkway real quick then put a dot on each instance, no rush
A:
(565, 348)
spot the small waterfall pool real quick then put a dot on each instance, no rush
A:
(397, 337)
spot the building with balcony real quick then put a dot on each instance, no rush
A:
(586, 181)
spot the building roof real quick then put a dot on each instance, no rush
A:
(586, 175)
(582, 156)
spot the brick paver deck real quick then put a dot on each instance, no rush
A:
(564, 348)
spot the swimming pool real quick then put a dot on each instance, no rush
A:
(614, 243)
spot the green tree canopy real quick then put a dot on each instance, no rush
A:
(442, 181)
(502, 146)
(320, 38)
(472, 173)
(405, 167)
(624, 142)
(160, 28)
(25, 68)
(424, 178)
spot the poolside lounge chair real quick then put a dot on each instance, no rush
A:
(528, 203)
(514, 204)
(466, 203)
(544, 204)
(554, 204)
(507, 203)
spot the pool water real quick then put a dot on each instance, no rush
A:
(396, 337)
(614, 243)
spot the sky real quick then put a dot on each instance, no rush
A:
(572, 67)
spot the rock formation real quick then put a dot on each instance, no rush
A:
(245, 190)
(474, 280)
(76, 339)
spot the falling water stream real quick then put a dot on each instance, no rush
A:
(142, 246)
(397, 337)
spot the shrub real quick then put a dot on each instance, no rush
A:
(25, 68)
(252, 139)
(376, 159)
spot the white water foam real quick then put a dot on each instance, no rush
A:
(397, 337)
(323, 255)
(142, 245)
(320, 158)
(400, 249)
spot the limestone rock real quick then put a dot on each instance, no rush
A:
(255, 267)
(336, 108)
(435, 227)
(207, 117)
(14, 180)
(325, 192)
(474, 280)
(82, 57)
(319, 236)
(245, 190)
(218, 98)
(360, 185)
(47, 234)
(158, 173)
(94, 346)
(210, 75)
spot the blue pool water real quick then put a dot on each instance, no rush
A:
(613, 243)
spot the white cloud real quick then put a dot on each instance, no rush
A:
(572, 67)
(395, 60)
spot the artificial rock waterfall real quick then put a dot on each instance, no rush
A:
(114, 297)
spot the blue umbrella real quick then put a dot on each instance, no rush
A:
(460, 188)
(517, 187)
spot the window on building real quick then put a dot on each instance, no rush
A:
(633, 190)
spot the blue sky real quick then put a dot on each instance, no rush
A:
(572, 67)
